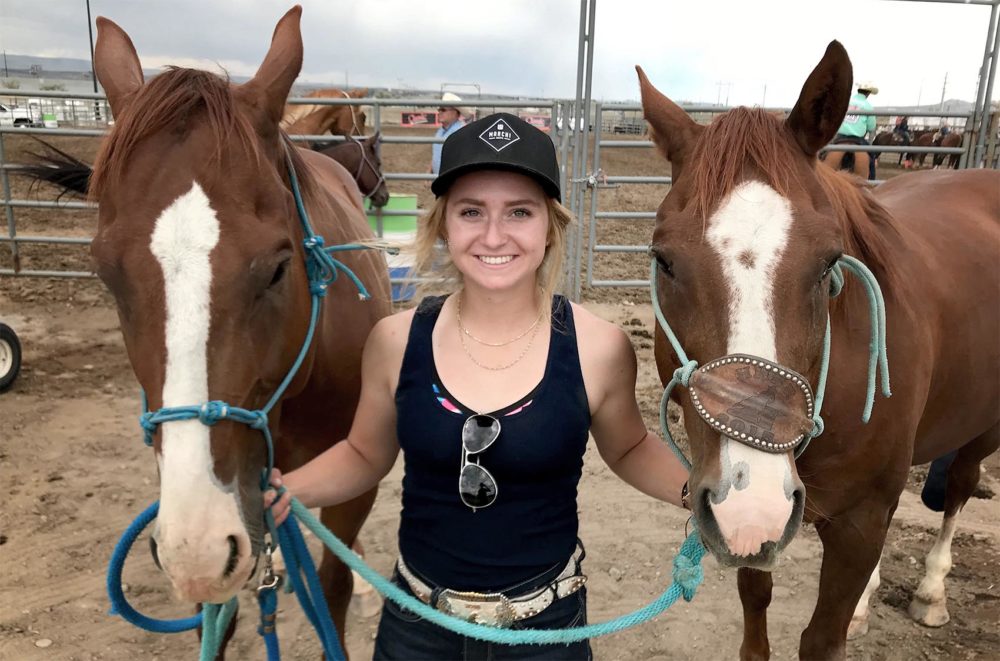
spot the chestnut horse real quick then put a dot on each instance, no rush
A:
(315, 119)
(200, 243)
(952, 139)
(746, 243)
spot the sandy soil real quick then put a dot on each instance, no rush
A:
(75, 473)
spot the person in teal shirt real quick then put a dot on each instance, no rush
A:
(854, 129)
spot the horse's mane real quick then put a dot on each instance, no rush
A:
(868, 226)
(752, 139)
(170, 101)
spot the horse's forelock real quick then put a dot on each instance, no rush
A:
(167, 101)
(741, 138)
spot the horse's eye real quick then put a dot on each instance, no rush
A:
(279, 273)
(665, 266)
(830, 263)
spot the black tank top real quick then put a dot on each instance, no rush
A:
(537, 461)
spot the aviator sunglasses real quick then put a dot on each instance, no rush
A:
(476, 486)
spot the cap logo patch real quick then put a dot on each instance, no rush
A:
(499, 135)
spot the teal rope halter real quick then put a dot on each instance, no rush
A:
(877, 361)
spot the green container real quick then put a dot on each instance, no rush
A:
(406, 224)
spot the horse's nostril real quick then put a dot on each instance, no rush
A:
(234, 556)
(152, 551)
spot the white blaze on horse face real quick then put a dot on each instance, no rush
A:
(197, 513)
(752, 502)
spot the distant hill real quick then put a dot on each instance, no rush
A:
(930, 109)
(48, 64)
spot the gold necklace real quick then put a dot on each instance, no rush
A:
(492, 344)
(498, 368)
(461, 338)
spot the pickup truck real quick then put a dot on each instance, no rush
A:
(15, 116)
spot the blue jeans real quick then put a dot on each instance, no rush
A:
(405, 636)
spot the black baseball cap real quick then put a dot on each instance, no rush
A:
(499, 142)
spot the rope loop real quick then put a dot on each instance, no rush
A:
(260, 420)
(818, 426)
(836, 280)
(148, 428)
(212, 412)
(313, 242)
(682, 374)
(687, 574)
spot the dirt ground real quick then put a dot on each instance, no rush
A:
(75, 473)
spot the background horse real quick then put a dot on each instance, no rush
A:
(362, 158)
(199, 241)
(923, 138)
(313, 119)
(746, 242)
(953, 139)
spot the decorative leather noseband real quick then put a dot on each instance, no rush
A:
(753, 401)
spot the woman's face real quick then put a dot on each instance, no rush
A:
(497, 226)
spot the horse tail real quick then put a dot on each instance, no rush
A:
(57, 167)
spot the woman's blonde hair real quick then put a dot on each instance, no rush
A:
(441, 274)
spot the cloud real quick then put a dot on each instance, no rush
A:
(751, 51)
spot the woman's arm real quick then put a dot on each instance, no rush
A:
(636, 455)
(358, 463)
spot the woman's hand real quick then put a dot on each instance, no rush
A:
(280, 507)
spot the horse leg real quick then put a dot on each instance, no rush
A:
(755, 595)
(929, 606)
(859, 621)
(344, 521)
(852, 546)
(834, 158)
(861, 164)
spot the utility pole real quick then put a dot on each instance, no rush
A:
(943, 88)
(93, 72)
(763, 99)
(5, 75)
(718, 97)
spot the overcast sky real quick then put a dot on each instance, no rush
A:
(695, 50)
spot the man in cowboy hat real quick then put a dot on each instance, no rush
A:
(451, 118)
(854, 129)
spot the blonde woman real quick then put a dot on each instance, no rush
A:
(492, 393)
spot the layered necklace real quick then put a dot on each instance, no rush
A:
(464, 332)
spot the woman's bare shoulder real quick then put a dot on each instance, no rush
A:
(600, 340)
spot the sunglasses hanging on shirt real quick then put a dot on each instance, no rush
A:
(476, 486)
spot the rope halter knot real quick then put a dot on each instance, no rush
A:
(687, 575)
(682, 374)
(212, 412)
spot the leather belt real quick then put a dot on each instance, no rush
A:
(494, 608)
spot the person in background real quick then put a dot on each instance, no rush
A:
(903, 136)
(451, 118)
(854, 131)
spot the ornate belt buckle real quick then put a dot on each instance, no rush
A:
(492, 609)
(753, 401)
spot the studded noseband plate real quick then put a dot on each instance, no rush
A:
(753, 401)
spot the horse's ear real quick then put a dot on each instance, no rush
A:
(273, 81)
(823, 101)
(116, 64)
(670, 127)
